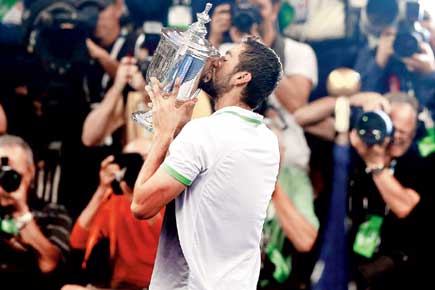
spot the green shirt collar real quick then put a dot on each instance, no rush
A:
(244, 114)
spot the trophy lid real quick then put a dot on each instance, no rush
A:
(194, 37)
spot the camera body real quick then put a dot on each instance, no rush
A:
(244, 15)
(372, 127)
(10, 179)
(130, 164)
(410, 33)
(56, 32)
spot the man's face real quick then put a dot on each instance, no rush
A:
(405, 121)
(222, 72)
(108, 21)
(266, 10)
(17, 160)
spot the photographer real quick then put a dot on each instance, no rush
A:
(110, 114)
(391, 204)
(33, 243)
(133, 243)
(390, 195)
(397, 55)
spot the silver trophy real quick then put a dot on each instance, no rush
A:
(180, 54)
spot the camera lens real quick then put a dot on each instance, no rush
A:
(10, 180)
(406, 44)
(245, 15)
(373, 127)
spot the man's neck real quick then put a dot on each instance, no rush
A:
(230, 99)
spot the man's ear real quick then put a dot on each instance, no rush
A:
(242, 78)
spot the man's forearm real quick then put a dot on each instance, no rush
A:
(48, 254)
(401, 200)
(101, 118)
(301, 233)
(109, 65)
(315, 112)
(293, 92)
(156, 156)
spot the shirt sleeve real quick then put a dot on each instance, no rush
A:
(79, 236)
(300, 60)
(56, 225)
(372, 76)
(186, 157)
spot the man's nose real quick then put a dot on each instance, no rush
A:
(218, 62)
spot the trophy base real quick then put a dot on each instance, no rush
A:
(145, 119)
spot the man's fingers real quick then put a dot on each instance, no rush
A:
(176, 87)
(150, 93)
(107, 161)
(189, 105)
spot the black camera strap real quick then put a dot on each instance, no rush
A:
(114, 52)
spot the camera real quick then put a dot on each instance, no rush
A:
(372, 127)
(410, 33)
(56, 32)
(244, 15)
(130, 164)
(379, 15)
(10, 179)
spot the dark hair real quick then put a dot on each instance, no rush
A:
(382, 13)
(265, 68)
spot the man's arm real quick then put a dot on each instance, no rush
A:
(296, 227)
(48, 255)
(400, 200)
(293, 91)
(109, 115)
(154, 187)
(104, 119)
(98, 53)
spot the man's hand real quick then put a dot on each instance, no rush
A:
(16, 200)
(373, 156)
(128, 73)
(168, 113)
(220, 23)
(385, 47)
(370, 101)
(107, 175)
(422, 62)
(96, 51)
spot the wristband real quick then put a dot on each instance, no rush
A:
(374, 170)
(23, 220)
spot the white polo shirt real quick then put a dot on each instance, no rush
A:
(229, 161)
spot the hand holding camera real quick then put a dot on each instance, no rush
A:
(107, 175)
(128, 73)
(385, 48)
(422, 62)
(375, 156)
(13, 190)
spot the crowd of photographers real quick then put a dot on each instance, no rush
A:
(357, 74)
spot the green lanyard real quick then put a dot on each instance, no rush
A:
(8, 225)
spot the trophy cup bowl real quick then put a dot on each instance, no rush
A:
(179, 55)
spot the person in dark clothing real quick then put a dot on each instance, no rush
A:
(34, 240)
(391, 202)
